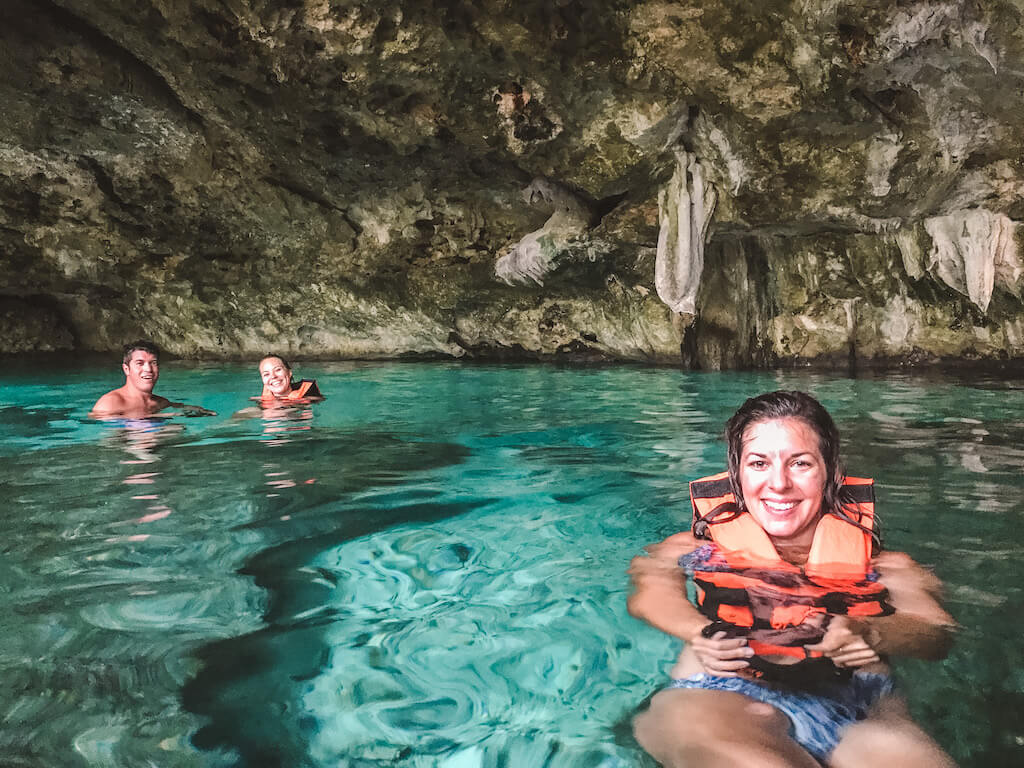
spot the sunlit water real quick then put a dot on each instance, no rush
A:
(427, 569)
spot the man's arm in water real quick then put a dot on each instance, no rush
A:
(188, 410)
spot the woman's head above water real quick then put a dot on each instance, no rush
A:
(783, 454)
(276, 375)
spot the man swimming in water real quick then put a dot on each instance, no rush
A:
(141, 365)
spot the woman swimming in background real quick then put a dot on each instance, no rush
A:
(785, 658)
(278, 386)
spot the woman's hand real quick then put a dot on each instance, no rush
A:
(721, 655)
(848, 643)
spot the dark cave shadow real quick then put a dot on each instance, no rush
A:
(248, 687)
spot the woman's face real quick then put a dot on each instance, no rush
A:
(782, 476)
(276, 376)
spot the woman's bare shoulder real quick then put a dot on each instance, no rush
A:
(674, 546)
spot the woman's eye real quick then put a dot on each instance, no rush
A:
(758, 464)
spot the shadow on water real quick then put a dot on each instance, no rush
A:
(138, 547)
(249, 686)
(23, 428)
(19, 421)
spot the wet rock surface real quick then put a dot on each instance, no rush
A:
(443, 178)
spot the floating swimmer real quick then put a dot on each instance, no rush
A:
(785, 657)
(135, 398)
(278, 386)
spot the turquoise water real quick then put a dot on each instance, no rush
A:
(427, 569)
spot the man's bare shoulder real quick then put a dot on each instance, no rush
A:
(116, 403)
(111, 404)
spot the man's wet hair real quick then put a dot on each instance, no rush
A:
(142, 345)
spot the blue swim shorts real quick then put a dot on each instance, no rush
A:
(816, 720)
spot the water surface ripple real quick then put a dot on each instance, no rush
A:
(427, 569)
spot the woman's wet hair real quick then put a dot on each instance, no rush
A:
(275, 357)
(784, 404)
(142, 345)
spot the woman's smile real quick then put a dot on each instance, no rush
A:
(778, 509)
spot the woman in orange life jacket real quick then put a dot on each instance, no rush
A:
(278, 387)
(784, 663)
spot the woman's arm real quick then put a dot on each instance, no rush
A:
(659, 598)
(659, 589)
(190, 410)
(920, 627)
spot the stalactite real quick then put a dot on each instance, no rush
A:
(685, 208)
(534, 256)
(971, 249)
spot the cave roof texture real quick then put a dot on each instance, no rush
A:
(713, 184)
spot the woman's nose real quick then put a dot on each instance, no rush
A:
(778, 477)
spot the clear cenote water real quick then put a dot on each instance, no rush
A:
(427, 569)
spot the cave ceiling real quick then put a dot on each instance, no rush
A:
(823, 180)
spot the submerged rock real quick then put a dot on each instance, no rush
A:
(337, 178)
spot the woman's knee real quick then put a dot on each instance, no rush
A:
(708, 728)
(882, 740)
(663, 728)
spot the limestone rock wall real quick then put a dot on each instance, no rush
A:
(341, 178)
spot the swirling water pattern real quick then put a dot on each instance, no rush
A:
(427, 569)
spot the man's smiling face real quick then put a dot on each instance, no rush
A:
(142, 370)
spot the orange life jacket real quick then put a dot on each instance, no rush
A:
(747, 586)
(299, 393)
